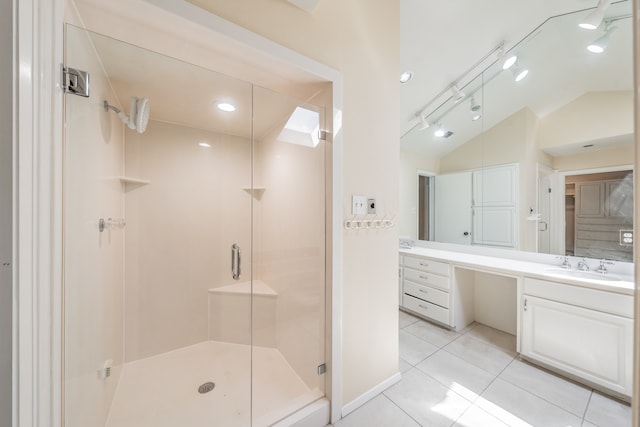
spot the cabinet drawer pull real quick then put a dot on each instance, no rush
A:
(423, 306)
(525, 304)
(424, 277)
(424, 264)
(423, 291)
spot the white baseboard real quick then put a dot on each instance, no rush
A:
(370, 394)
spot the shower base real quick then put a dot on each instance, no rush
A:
(162, 391)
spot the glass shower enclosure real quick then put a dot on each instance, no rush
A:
(194, 244)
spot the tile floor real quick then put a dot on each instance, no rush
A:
(475, 379)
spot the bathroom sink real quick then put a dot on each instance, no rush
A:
(583, 274)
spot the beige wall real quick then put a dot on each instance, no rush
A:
(593, 116)
(180, 229)
(93, 262)
(360, 38)
(618, 156)
(410, 164)
(6, 205)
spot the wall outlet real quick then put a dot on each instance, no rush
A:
(359, 205)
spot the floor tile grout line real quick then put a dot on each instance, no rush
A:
(584, 416)
(492, 381)
(544, 398)
(398, 406)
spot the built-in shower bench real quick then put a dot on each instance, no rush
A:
(232, 313)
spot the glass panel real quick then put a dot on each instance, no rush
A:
(157, 331)
(289, 268)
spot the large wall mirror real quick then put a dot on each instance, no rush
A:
(541, 162)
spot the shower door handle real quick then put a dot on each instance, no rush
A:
(235, 261)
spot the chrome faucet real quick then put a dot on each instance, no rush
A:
(601, 268)
(565, 264)
(582, 265)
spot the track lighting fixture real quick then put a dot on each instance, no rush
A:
(594, 19)
(475, 110)
(519, 73)
(456, 93)
(424, 124)
(599, 45)
(507, 59)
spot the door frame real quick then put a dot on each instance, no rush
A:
(38, 136)
(422, 173)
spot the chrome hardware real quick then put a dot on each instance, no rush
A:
(75, 81)
(525, 304)
(466, 233)
(423, 306)
(235, 262)
(541, 224)
(601, 268)
(110, 224)
(424, 277)
(424, 264)
(322, 369)
(423, 291)
(565, 264)
(582, 265)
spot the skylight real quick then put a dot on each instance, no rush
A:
(302, 128)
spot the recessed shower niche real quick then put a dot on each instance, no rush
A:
(215, 273)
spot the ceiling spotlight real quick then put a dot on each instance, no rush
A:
(599, 45)
(519, 73)
(475, 110)
(424, 124)
(508, 59)
(594, 19)
(456, 93)
(405, 76)
(440, 131)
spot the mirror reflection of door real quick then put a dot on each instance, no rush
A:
(598, 210)
(545, 209)
(425, 206)
(453, 208)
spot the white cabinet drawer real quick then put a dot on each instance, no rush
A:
(427, 293)
(423, 264)
(426, 309)
(428, 279)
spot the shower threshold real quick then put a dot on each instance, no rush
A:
(162, 390)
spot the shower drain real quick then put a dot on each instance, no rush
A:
(206, 387)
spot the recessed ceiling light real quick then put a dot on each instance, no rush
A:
(405, 76)
(225, 106)
(204, 144)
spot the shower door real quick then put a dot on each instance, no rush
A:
(194, 252)
(289, 199)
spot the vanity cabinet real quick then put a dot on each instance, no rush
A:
(425, 288)
(586, 333)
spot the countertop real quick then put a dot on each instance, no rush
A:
(535, 270)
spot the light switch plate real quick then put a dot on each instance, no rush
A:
(359, 205)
